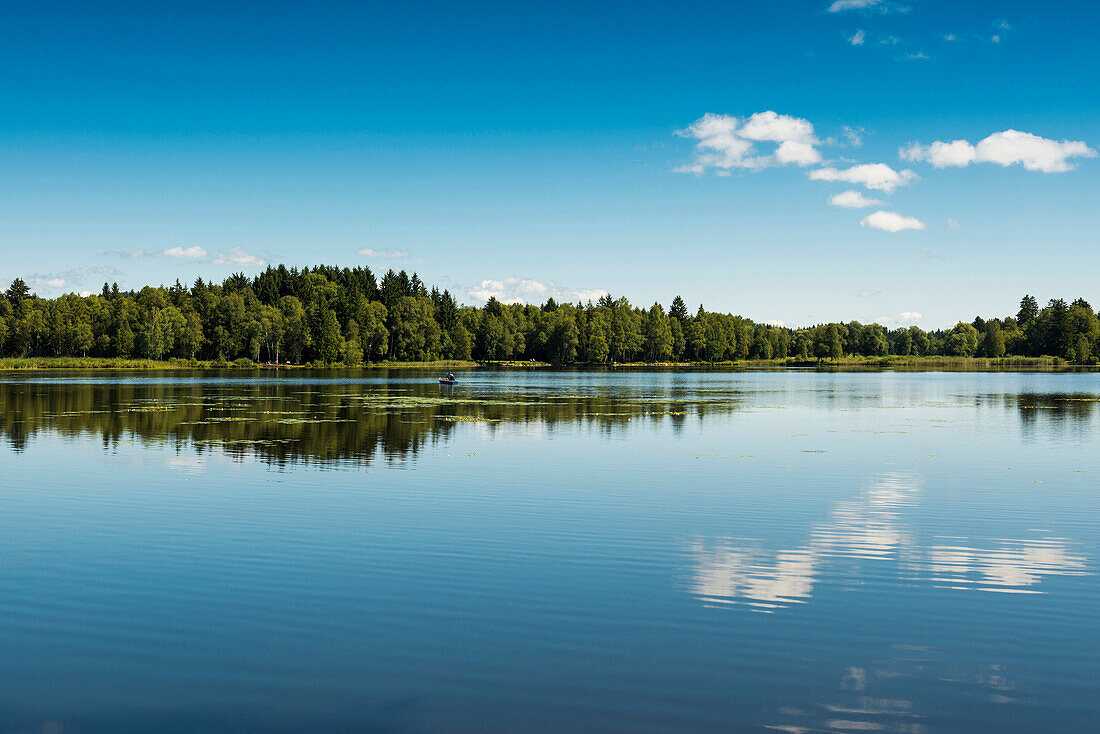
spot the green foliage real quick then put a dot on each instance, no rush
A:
(993, 341)
(657, 335)
(329, 315)
(1029, 310)
(329, 341)
(961, 341)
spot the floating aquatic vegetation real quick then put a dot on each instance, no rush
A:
(243, 441)
(466, 419)
(297, 421)
(226, 419)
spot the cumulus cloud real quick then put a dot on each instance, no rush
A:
(852, 200)
(777, 128)
(1005, 148)
(905, 318)
(197, 253)
(878, 176)
(526, 290)
(185, 253)
(384, 254)
(857, 38)
(940, 154)
(891, 222)
(725, 142)
(238, 258)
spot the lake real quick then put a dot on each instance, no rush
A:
(549, 551)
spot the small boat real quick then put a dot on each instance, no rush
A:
(448, 380)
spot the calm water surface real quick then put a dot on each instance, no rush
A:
(793, 551)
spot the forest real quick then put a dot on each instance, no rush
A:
(328, 315)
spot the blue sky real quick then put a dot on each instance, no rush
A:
(525, 151)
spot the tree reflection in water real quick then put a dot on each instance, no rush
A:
(285, 421)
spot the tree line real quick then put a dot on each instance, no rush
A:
(332, 315)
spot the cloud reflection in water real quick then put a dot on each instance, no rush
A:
(729, 571)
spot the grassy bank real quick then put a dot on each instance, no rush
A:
(119, 363)
(97, 363)
(439, 364)
(893, 362)
(514, 363)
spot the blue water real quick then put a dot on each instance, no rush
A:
(549, 551)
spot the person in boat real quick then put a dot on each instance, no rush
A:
(451, 376)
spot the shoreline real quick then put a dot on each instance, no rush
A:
(964, 364)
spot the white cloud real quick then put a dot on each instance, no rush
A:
(238, 257)
(852, 200)
(941, 154)
(953, 223)
(905, 318)
(235, 256)
(1033, 152)
(877, 176)
(840, 6)
(1002, 27)
(800, 154)
(852, 135)
(891, 222)
(194, 252)
(777, 128)
(868, 293)
(857, 38)
(526, 290)
(949, 37)
(1005, 148)
(918, 56)
(52, 284)
(385, 254)
(726, 142)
